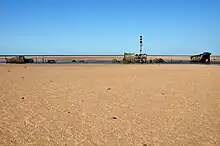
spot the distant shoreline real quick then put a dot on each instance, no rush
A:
(53, 55)
(39, 58)
(60, 55)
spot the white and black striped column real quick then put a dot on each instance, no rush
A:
(141, 44)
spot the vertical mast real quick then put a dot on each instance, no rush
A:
(141, 44)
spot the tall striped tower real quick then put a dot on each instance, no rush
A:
(141, 44)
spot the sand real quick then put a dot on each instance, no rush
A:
(109, 105)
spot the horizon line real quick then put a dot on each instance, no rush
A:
(2, 55)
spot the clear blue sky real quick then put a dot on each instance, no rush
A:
(109, 26)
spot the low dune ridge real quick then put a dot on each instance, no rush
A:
(109, 105)
(70, 58)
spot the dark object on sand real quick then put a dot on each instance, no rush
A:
(114, 61)
(73, 60)
(159, 60)
(134, 58)
(201, 58)
(51, 61)
(81, 61)
(19, 60)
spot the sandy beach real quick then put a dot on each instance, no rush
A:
(109, 105)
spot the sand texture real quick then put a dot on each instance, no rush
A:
(109, 105)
